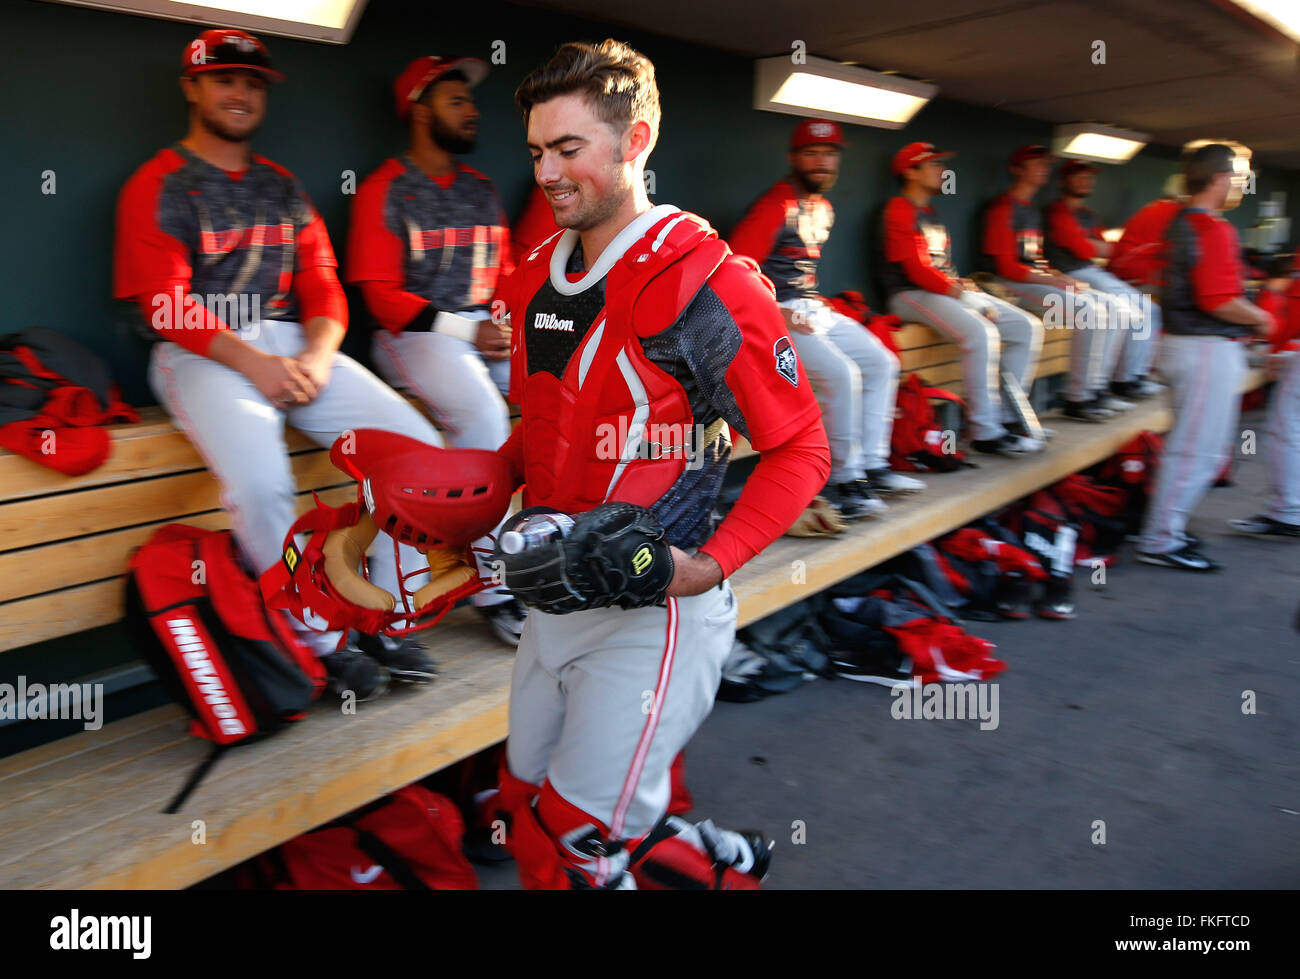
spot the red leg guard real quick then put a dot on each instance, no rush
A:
(680, 803)
(676, 865)
(534, 851)
(555, 844)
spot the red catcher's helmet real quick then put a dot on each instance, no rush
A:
(422, 495)
(226, 48)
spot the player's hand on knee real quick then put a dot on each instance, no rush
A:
(282, 381)
(316, 365)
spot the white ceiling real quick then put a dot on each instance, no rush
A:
(1178, 69)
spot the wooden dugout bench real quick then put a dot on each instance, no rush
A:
(85, 811)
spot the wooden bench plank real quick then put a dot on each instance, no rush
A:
(151, 447)
(41, 520)
(36, 570)
(31, 620)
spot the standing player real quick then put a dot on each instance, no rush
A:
(1013, 251)
(923, 287)
(1282, 518)
(207, 225)
(856, 375)
(1073, 241)
(1205, 310)
(637, 340)
(427, 246)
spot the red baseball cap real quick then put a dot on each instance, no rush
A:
(226, 48)
(811, 132)
(1077, 166)
(916, 153)
(423, 72)
(1033, 151)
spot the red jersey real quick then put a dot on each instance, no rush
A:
(623, 369)
(1013, 239)
(784, 233)
(197, 245)
(1073, 234)
(535, 225)
(419, 244)
(1138, 256)
(916, 249)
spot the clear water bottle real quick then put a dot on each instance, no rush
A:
(536, 530)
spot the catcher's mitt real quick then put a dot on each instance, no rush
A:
(614, 555)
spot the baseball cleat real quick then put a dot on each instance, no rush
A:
(1015, 428)
(884, 482)
(1086, 411)
(405, 659)
(1265, 526)
(853, 500)
(760, 852)
(506, 619)
(1185, 558)
(351, 670)
(863, 667)
(1138, 390)
(1112, 403)
(1011, 446)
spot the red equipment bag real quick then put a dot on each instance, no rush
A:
(410, 840)
(917, 444)
(197, 617)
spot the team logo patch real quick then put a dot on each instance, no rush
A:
(291, 557)
(787, 365)
(642, 559)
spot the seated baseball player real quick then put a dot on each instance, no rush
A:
(638, 339)
(1073, 242)
(232, 268)
(427, 245)
(855, 374)
(1279, 296)
(1205, 313)
(918, 276)
(1012, 251)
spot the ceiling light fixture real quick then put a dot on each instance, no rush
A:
(331, 21)
(845, 93)
(1100, 144)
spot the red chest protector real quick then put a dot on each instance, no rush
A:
(612, 425)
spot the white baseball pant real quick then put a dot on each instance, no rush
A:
(1093, 347)
(856, 380)
(1011, 341)
(1204, 375)
(240, 436)
(602, 701)
(1284, 444)
(1134, 316)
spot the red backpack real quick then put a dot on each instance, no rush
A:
(917, 444)
(410, 840)
(197, 617)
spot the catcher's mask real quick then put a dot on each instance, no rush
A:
(436, 500)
